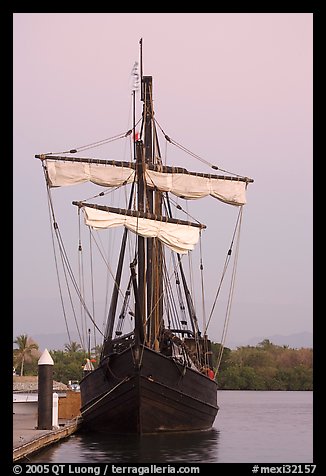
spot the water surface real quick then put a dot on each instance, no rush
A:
(250, 427)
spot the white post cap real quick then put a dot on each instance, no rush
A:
(45, 358)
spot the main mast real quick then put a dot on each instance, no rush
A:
(153, 205)
(150, 284)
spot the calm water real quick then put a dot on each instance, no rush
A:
(250, 427)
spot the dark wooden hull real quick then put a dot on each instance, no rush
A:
(160, 395)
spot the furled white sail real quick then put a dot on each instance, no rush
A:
(63, 173)
(195, 186)
(185, 185)
(179, 237)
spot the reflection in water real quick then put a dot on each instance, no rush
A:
(194, 447)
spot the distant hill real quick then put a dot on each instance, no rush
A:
(294, 341)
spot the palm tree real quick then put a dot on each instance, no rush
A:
(72, 347)
(25, 349)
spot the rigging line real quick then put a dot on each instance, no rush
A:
(231, 292)
(202, 282)
(172, 305)
(124, 307)
(178, 288)
(106, 306)
(192, 282)
(190, 302)
(191, 272)
(92, 145)
(61, 248)
(167, 278)
(57, 272)
(68, 266)
(63, 261)
(179, 207)
(226, 264)
(142, 344)
(107, 252)
(166, 152)
(155, 141)
(92, 282)
(107, 264)
(102, 142)
(81, 281)
(127, 294)
(183, 148)
(204, 161)
(170, 298)
(131, 132)
(156, 304)
(108, 190)
(74, 282)
(167, 303)
(65, 268)
(105, 395)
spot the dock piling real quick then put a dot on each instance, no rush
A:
(45, 391)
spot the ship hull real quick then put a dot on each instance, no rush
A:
(159, 395)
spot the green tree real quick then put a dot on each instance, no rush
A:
(216, 349)
(68, 365)
(73, 347)
(267, 367)
(231, 379)
(265, 344)
(24, 353)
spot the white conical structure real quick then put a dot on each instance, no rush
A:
(88, 366)
(45, 358)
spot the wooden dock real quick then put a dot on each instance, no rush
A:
(28, 439)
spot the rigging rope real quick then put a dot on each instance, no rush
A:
(107, 264)
(179, 207)
(57, 272)
(92, 282)
(226, 263)
(176, 144)
(92, 145)
(65, 260)
(105, 395)
(81, 280)
(202, 283)
(230, 298)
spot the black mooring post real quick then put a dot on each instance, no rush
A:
(45, 391)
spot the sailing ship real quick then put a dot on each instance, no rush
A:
(157, 375)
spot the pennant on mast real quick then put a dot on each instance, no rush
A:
(136, 78)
